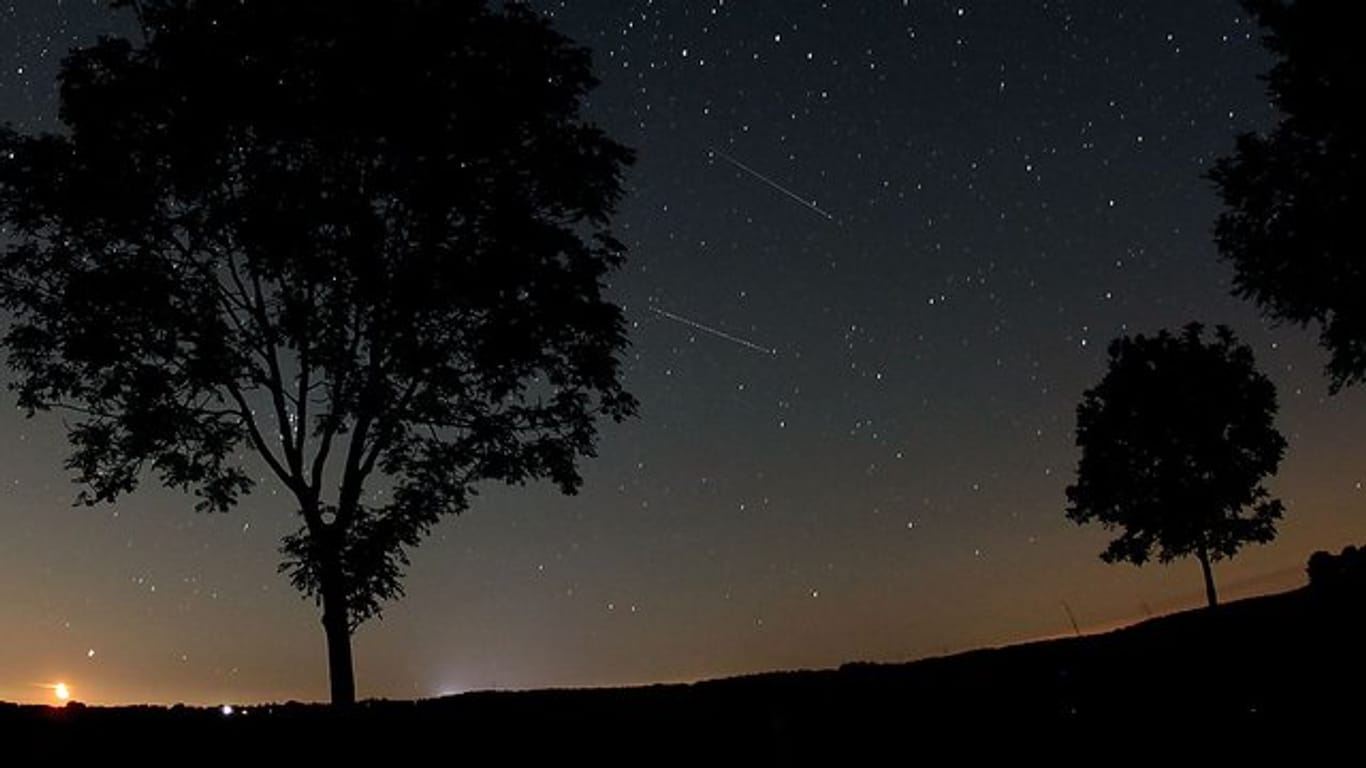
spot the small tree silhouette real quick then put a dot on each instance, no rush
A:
(1175, 441)
(357, 238)
(1294, 198)
(1344, 572)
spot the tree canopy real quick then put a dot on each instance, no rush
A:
(358, 239)
(1293, 197)
(1176, 440)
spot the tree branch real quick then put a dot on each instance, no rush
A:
(257, 439)
(304, 379)
(275, 383)
(386, 436)
(353, 476)
(333, 422)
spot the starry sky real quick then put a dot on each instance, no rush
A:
(877, 250)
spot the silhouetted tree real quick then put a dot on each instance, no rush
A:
(1322, 569)
(361, 239)
(1342, 572)
(1175, 441)
(1294, 198)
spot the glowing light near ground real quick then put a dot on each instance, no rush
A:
(226, 709)
(61, 692)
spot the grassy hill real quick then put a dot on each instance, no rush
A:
(1252, 669)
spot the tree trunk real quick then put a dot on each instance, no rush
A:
(1209, 578)
(337, 626)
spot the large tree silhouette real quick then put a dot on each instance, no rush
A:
(365, 240)
(1175, 441)
(1294, 197)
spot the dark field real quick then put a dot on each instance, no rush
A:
(1283, 668)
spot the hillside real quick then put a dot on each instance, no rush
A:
(1277, 660)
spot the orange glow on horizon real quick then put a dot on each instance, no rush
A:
(60, 691)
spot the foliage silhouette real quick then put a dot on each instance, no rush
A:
(1338, 573)
(363, 240)
(1175, 441)
(1294, 197)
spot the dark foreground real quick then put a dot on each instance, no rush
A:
(1284, 668)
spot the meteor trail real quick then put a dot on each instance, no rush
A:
(713, 331)
(774, 184)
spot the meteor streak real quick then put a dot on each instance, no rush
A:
(808, 203)
(714, 331)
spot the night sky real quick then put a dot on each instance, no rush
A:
(877, 251)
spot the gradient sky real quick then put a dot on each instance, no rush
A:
(936, 214)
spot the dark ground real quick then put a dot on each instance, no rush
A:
(1266, 673)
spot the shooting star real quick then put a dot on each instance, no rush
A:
(807, 203)
(714, 331)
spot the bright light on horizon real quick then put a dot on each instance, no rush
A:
(62, 692)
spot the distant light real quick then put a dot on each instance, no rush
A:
(227, 710)
(61, 692)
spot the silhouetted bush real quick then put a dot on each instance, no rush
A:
(1340, 572)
